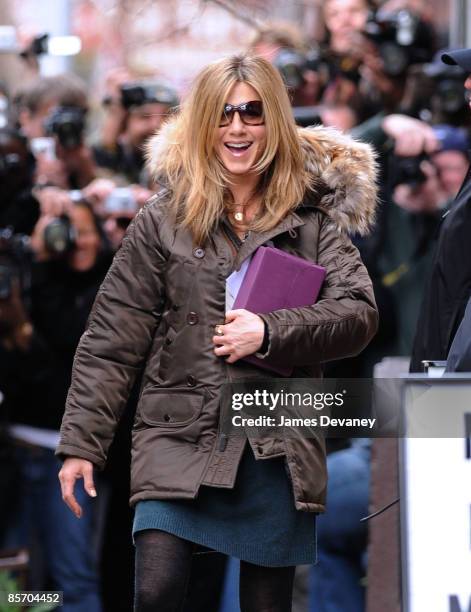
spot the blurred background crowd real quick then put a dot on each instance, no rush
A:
(73, 130)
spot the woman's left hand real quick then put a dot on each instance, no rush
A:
(242, 335)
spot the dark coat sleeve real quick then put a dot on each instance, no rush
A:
(114, 347)
(448, 287)
(459, 357)
(343, 320)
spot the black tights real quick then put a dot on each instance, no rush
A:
(163, 563)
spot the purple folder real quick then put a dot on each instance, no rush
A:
(276, 280)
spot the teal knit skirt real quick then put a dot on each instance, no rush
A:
(256, 521)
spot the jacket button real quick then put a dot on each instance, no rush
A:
(199, 253)
(168, 341)
(192, 318)
(166, 418)
(175, 307)
(191, 381)
(260, 451)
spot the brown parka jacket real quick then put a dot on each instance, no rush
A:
(157, 309)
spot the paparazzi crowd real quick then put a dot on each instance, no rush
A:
(65, 205)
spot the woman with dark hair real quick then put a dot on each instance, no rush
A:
(236, 173)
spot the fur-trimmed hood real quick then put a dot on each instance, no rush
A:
(348, 170)
(345, 168)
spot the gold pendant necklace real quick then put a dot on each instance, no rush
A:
(239, 215)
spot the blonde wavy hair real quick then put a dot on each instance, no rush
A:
(198, 181)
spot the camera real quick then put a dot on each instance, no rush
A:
(137, 94)
(59, 236)
(402, 39)
(448, 96)
(67, 123)
(408, 171)
(15, 262)
(40, 45)
(121, 201)
(121, 206)
(292, 65)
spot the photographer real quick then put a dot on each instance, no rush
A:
(135, 111)
(423, 168)
(39, 333)
(284, 46)
(344, 50)
(370, 53)
(438, 176)
(343, 19)
(115, 206)
(51, 113)
(435, 93)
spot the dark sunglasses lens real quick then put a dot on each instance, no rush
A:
(253, 112)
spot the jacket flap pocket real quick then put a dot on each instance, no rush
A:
(169, 407)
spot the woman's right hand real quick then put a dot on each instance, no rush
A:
(72, 469)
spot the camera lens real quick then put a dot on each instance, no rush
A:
(58, 237)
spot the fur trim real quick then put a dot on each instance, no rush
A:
(346, 167)
(156, 149)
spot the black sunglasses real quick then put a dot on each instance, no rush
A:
(250, 113)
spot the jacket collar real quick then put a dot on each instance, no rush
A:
(312, 201)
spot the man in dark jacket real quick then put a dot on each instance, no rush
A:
(449, 285)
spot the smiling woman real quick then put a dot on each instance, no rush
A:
(240, 143)
(236, 173)
(222, 160)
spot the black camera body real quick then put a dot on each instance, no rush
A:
(408, 171)
(447, 97)
(139, 93)
(67, 123)
(292, 65)
(402, 39)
